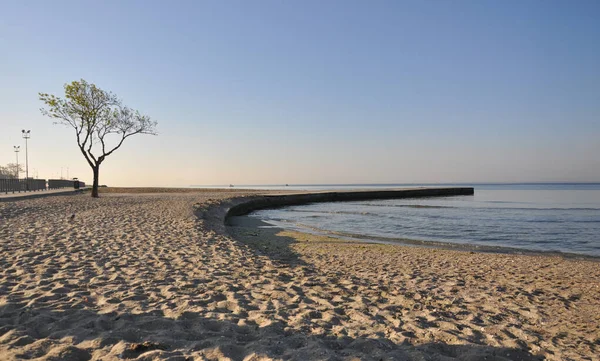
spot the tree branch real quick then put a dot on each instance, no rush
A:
(94, 114)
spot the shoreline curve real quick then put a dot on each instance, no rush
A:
(242, 206)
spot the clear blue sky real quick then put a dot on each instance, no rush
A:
(256, 92)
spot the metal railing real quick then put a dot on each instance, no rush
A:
(60, 183)
(32, 185)
(22, 185)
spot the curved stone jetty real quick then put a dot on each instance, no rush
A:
(291, 199)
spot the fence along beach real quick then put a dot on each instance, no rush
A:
(33, 185)
(155, 274)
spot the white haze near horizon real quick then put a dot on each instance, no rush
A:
(180, 161)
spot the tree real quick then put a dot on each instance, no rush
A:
(5, 173)
(100, 120)
(10, 171)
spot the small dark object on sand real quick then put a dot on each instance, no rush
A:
(137, 349)
(72, 218)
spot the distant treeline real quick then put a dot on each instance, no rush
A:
(10, 171)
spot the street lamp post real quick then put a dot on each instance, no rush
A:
(26, 135)
(17, 150)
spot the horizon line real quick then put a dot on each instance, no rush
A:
(383, 184)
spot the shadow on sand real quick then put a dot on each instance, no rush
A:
(264, 239)
(28, 332)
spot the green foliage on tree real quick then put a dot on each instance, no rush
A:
(100, 120)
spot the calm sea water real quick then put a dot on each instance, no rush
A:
(537, 217)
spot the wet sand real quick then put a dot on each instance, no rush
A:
(153, 276)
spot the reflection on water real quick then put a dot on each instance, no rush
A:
(553, 217)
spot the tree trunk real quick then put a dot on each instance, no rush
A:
(95, 185)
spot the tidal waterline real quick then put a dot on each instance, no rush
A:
(537, 217)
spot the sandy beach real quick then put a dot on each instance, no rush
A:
(156, 275)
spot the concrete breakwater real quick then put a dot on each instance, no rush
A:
(246, 206)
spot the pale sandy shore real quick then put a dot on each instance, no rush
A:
(159, 277)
